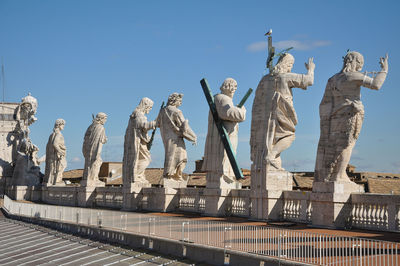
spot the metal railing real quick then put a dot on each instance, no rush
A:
(298, 246)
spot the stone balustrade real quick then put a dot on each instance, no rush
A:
(66, 196)
(375, 211)
(367, 211)
(239, 203)
(297, 206)
(192, 200)
(109, 197)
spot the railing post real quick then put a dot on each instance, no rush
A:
(183, 231)
(154, 221)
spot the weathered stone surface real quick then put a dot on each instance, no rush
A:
(136, 153)
(174, 129)
(94, 139)
(342, 113)
(27, 170)
(216, 163)
(55, 156)
(8, 135)
(273, 115)
(19, 155)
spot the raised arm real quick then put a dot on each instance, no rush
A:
(303, 80)
(377, 82)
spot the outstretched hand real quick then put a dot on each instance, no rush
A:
(310, 66)
(383, 61)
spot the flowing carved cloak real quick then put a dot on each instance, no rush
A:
(135, 146)
(341, 115)
(93, 141)
(215, 157)
(273, 114)
(55, 162)
(174, 128)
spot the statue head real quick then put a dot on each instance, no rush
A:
(145, 105)
(100, 118)
(28, 109)
(284, 65)
(353, 62)
(60, 123)
(175, 99)
(228, 87)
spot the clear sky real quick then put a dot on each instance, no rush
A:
(83, 57)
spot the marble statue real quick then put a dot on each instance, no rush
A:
(216, 163)
(27, 170)
(174, 128)
(55, 155)
(24, 153)
(273, 115)
(136, 153)
(94, 139)
(342, 113)
(25, 116)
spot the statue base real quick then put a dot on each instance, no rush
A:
(86, 196)
(29, 193)
(92, 183)
(216, 181)
(133, 195)
(266, 193)
(216, 200)
(58, 184)
(161, 199)
(331, 206)
(173, 183)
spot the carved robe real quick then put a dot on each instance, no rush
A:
(341, 113)
(174, 128)
(136, 154)
(55, 158)
(216, 160)
(273, 114)
(94, 139)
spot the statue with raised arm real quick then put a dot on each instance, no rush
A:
(94, 139)
(216, 162)
(136, 153)
(55, 155)
(174, 128)
(273, 116)
(342, 112)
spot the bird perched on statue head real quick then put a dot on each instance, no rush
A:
(269, 32)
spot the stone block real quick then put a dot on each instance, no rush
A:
(160, 199)
(86, 196)
(331, 205)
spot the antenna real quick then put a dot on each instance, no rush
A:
(3, 78)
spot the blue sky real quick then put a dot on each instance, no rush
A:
(84, 57)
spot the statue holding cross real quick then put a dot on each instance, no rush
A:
(222, 136)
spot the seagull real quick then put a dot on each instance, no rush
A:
(269, 32)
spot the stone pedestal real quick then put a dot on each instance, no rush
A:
(216, 181)
(133, 195)
(160, 199)
(172, 183)
(216, 201)
(29, 193)
(266, 194)
(92, 183)
(266, 205)
(86, 196)
(331, 206)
